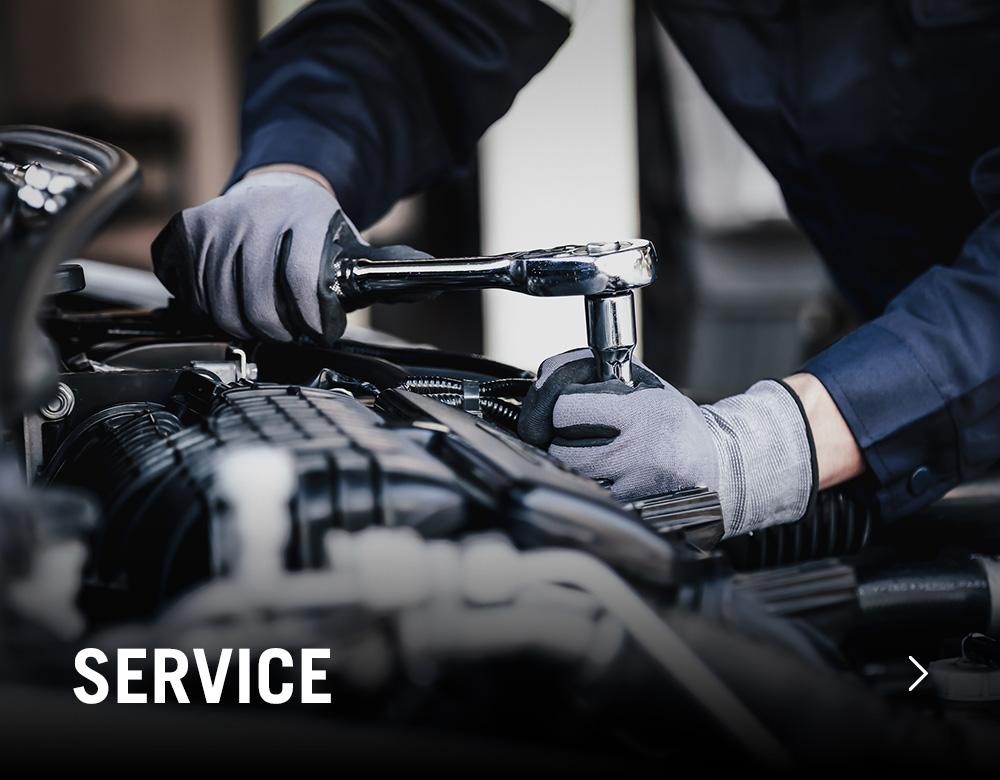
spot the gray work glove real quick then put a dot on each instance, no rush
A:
(260, 259)
(754, 449)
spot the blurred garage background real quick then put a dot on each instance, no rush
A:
(615, 138)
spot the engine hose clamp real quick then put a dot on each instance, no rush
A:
(470, 397)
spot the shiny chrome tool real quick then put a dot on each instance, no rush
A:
(604, 273)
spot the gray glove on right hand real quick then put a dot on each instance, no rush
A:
(754, 449)
(260, 259)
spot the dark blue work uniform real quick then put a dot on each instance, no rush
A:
(879, 118)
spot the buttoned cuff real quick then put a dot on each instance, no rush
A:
(898, 416)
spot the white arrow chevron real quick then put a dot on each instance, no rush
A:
(923, 672)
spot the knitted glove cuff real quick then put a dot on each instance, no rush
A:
(767, 472)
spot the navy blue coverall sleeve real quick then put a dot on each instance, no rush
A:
(919, 385)
(384, 96)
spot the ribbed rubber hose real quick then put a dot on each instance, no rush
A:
(953, 597)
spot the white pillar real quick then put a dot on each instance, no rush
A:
(562, 168)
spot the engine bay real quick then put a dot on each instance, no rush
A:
(164, 486)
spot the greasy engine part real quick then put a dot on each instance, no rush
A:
(103, 177)
(823, 593)
(43, 535)
(479, 600)
(845, 520)
(840, 523)
(152, 467)
(381, 365)
(8, 208)
(946, 598)
(693, 514)
(459, 634)
(415, 462)
(854, 598)
(136, 372)
(539, 501)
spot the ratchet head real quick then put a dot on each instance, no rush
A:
(599, 268)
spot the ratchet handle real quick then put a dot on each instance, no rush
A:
(601, 269)
(363, 281)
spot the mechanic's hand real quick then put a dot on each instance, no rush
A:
(259, 259)
(753, 449)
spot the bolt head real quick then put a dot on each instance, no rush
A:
(60, 405)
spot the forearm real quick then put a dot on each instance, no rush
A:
(838, 457)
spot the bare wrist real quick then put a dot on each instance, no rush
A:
(838, 457)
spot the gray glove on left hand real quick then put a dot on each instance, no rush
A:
(260, 260)
(754, 449)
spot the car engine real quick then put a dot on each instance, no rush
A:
(164, 486)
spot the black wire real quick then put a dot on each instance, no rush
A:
(426, 385)
(512, 387)
(501, 412)
(496, 409)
